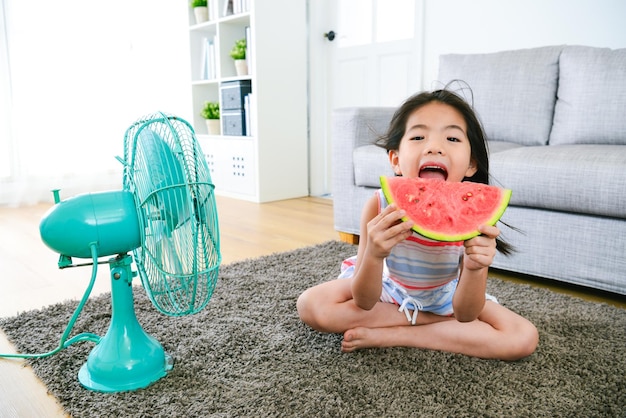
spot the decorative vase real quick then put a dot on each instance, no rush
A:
(201, 13)
(214, 126)
(241, 66)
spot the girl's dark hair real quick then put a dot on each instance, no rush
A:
(475, 133)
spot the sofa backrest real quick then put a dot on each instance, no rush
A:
(591, 104)
(514, 92)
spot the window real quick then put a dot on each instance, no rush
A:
(80, 73)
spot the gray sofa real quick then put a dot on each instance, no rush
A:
(555, 118)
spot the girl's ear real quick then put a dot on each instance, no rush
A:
(472, 169)
(395, 162)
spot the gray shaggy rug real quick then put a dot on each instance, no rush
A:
(247, 355)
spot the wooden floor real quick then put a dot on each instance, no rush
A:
(30, 278)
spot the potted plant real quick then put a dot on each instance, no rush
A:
(200, 10)
(238, 53)
(211, 112)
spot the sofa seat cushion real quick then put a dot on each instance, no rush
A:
(591, 103)
(370, 162)
(585, 179)
(499, 146)
(513, 92)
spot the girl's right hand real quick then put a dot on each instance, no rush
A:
(386, 230)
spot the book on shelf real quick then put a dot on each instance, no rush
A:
(208, 64)
(214, 8)
(241, 6)
(248, 49)
(233, 7)
(227, 8)
(248, 105)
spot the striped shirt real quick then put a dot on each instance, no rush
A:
(419, 263)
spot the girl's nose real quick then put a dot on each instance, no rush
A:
(433, 147)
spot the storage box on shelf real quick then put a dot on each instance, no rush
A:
(263, 114)
(235, 107)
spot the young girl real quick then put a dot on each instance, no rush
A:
(403, 289)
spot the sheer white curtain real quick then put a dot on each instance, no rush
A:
(74, 75)
(5, 100)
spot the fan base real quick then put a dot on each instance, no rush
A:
(127, 357)
(119, 382)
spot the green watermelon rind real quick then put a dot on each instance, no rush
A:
(504, 203)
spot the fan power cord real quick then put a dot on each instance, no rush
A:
(65, 341)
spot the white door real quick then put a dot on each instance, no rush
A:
(363, 53)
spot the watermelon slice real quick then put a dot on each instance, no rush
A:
(446, 211)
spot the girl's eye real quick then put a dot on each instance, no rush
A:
(453, 139)
(417, 138)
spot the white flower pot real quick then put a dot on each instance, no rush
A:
(241, 66)
(201, 13)
(214, 126)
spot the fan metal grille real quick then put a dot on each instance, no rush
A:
(167, 174)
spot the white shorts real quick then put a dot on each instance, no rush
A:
(437, 300)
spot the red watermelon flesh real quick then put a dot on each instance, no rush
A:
(446, 211)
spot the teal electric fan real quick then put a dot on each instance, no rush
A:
(166, 216)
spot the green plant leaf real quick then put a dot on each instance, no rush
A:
(211, 110)
(239, 50)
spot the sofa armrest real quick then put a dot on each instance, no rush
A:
(352, 127)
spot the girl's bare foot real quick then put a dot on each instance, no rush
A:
(397, 336)
(358, 338)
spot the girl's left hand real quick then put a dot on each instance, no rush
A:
(480, 250)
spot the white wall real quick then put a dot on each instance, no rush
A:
(481, 26)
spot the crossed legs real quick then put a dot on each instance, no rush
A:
(498, 333)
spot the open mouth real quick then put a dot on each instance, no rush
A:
(433, 171)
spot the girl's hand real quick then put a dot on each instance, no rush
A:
(480, 250)
(386, 230)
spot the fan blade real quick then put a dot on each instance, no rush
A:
(157, 178)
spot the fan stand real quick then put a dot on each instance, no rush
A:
(126, 358)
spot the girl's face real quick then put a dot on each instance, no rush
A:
(434, 145)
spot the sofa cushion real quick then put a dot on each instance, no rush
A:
(513, 91)
(591, 104)
(585, 179)
(499, 146)
(370, 162)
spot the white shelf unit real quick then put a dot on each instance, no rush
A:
(271, 162)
